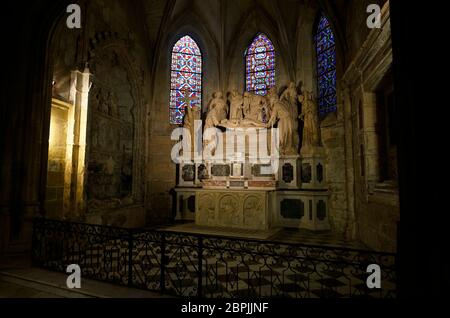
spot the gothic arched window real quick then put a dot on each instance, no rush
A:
(326, 66)
(260, 65)
(186, 78)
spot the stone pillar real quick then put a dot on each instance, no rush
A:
(67, 196)
(55, 197)
(370, 139)
(349, 120)
(79, 143)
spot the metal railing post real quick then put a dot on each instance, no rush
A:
(200, 267)
(130, 257)
(162, 283)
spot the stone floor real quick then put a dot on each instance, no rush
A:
(282, 235)
(39, 283)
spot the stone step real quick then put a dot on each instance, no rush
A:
(53, 283)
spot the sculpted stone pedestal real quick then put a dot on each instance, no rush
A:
(312, 169)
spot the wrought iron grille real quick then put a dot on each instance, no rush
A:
(190, 265)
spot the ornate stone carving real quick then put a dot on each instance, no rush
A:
(206, 209)
(253, 207)
(228, 210)
(233, 209)
(108, 51)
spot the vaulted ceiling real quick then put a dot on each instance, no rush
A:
(226, 19)
(283, 14)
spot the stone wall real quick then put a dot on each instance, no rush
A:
(111, 42)
(54, 201)
(375, 201)
(333, 139)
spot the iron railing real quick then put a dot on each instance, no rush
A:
(191, 265)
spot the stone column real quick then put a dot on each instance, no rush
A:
(67, 196)
(370, 139)
(349, 122)
(82, 86)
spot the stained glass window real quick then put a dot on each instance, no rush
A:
(326, 67)
(260, 65)
(186, 78)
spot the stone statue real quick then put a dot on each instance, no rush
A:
(254, 107)
(217, 112)
(310, 119)
(290, 96)
(236, 106)
(282, 114)
(191, 113)
(273, 91)
(246, 104)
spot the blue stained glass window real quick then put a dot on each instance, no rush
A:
(326, 67)
(186, 78)
(260, 65)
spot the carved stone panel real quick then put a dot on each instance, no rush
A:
(319, 172)
(310, 210)
(228, 210)
(188, 173)
(253, 211)
(206, 209)
(262, 170)
(306, 173)
(232, 208)
(321, 210)
(191, 203)
(292, 208)
(202, 172)
(288, 173)
(237, 184)
(220, 170)
(238, 169)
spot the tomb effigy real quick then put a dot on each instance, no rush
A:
(244, 167)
